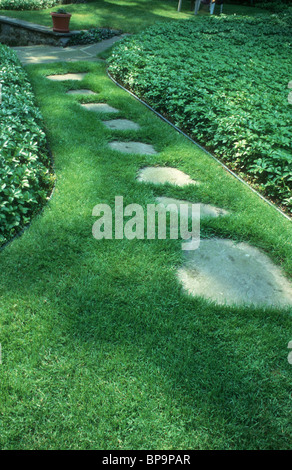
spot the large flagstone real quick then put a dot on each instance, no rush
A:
(164, 174)
(234, 273)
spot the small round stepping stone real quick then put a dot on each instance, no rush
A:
(206, 210)
(67, 76)
(234, 274)
(162, 175)
(82, 91)
(100, 108)
(121, 125)
(133, 147)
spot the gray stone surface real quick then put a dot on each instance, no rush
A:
(121, 125)
(67, 76)
(99, 108)
(162, 175)
(206, 210)
(44, 54)
(96, 48)
(82, 91)
(47, 54)
(230, 273)
(133, 147)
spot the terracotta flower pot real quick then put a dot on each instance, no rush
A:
(61, 22)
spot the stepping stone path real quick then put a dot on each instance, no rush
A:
(67, 76)
(82, 91)
(99, 108)
(162, 175)
(219, 270)
(133, 147)
(121, 125)
(206, 210)
(230, 273)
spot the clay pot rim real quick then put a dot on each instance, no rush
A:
(64, 15)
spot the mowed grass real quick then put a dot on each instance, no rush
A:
(126, 15)
(101, 347)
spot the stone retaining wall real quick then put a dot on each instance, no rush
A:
(14, 32)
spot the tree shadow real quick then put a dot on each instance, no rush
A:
(217, 362)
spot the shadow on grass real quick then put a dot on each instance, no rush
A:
(224, 369)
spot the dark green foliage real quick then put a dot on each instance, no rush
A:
(27, 4)
(93, 35)
(62, 11)
(224, 80)
(24, 175)
(34, 4)
(274, 5)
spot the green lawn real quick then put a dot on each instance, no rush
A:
(101, 348)
(127, 15)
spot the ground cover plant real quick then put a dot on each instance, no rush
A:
(275, 6)
(92, 36)
(101, 349)
(25, 179)
(224, 80)
(27, 4)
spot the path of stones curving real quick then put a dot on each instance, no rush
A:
(220, 270)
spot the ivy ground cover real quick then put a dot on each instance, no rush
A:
(27, 4)
(224, 80)
(25, 178)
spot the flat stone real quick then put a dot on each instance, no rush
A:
(99, 108)
(121, 125)
(67, 76)
(234, 273)
(82, 91)
(133, 147)
(206, 210)
(45, 54)
(162, 175)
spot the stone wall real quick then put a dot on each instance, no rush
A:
(14, 32)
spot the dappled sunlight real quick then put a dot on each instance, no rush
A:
(102, 348)
(125, 15)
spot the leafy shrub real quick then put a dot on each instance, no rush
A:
(27, 4)
(276, 6)
(92, 35)
(25, 179)
(224, 80)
